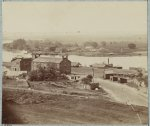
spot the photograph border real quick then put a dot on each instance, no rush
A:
(148, 45)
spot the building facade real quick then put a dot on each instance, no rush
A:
(21, 64)
(61, 64)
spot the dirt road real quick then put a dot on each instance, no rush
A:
(123, 93)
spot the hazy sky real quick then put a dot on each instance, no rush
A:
(76, 17)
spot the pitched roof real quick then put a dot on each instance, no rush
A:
(120, 71)
(21, 58)
(47, 60)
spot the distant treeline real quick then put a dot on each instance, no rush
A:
(47, 45)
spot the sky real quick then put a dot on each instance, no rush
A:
(90, 18)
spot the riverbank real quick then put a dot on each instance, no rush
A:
(91, 54)
(99, 54)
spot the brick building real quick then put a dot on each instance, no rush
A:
(61, 64)
(21, 64)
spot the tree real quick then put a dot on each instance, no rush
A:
(87, 79)
(33, 75)
(131, 46)
(19, 44)
(64, 50)
(141, 77)
(42, 74)
(52, 49)
(103, 43)
(145, 80)
(58, 44)
(93, 44)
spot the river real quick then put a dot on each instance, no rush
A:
(125, 62)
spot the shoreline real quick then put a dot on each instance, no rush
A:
(145, 53)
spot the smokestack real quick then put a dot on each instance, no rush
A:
(108, 61)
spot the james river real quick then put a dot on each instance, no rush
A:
(125, 62)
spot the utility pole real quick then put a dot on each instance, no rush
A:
(108, 61)
(93, 73)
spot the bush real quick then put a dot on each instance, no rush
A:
(94, 86)
(33, 75)
(145, 79)
(131, 46)
(48, 74)
(87, 79)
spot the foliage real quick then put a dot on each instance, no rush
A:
(103, 43)
(4, 77)
(19, 44)
(48, 74)
(64, 50)
(87, 79)
(142, 78)
(131, 46)
(93, 44)
(52, 49)
(33, 75)
(94, 86)
(145, 78)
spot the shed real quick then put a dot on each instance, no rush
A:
(122, 80)
(107, 74)
(113, 78)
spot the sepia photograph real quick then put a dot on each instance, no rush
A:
(74, 62)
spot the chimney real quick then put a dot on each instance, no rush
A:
(65, 57)
(108, 61)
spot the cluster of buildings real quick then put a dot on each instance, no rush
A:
(122, 75)
(20, 65)
(105, 65)
(28, 64)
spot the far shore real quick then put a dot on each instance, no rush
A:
(92, 54)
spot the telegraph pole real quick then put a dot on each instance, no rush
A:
(93, 73)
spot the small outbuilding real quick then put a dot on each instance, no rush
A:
(107, 74)
(122, 80)
(113, 78)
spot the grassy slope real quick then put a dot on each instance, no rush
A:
(68, 109)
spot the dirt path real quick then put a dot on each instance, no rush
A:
(123, 93)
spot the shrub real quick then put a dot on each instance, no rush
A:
(145, 79)
(94, 86)
(48, 74)
(87, 79)
(131, 46)
(33, 75)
